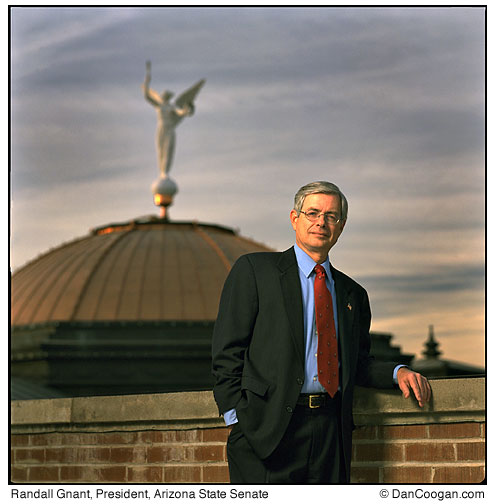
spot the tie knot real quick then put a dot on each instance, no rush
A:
(319, 269)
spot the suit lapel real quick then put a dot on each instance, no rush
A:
(291, 291)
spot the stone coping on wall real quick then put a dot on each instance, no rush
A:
(453, 400)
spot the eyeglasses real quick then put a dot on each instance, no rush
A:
(314, 216)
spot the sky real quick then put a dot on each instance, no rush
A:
(387, 103)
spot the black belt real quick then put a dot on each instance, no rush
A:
(314, 401)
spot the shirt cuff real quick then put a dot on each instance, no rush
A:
(230, 417)
(395, 372)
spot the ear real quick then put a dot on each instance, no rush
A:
(293, 216)
(341, 227)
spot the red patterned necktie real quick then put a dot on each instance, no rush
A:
(327, 358)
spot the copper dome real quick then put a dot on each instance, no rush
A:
(144, 270)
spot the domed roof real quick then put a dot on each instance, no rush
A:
(144, 270)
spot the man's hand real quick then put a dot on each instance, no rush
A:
(410, 380)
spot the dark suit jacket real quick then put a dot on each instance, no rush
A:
(258, 347)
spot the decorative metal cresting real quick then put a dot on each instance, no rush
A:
(169, 115)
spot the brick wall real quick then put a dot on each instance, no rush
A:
(180, 456)
(179, 438)
(430, 453)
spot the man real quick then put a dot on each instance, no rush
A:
(290, 343)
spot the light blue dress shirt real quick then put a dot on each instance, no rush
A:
(306, 266)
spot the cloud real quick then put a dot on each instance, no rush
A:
(435, 282)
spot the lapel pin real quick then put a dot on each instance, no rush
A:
(349, 306)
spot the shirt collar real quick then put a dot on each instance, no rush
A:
(307, 264)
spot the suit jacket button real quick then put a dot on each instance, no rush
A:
(299, 381)
(289, 409)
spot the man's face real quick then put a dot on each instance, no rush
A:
(317, 238)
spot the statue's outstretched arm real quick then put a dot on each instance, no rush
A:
(150, 94)
(185, 110)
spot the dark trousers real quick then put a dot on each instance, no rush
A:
(310, 451)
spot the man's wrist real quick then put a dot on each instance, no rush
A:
(395, 372)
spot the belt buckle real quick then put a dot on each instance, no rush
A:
(310, 401)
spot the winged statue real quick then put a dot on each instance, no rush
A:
(169, 115)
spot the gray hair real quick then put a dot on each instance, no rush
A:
(320, 187)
